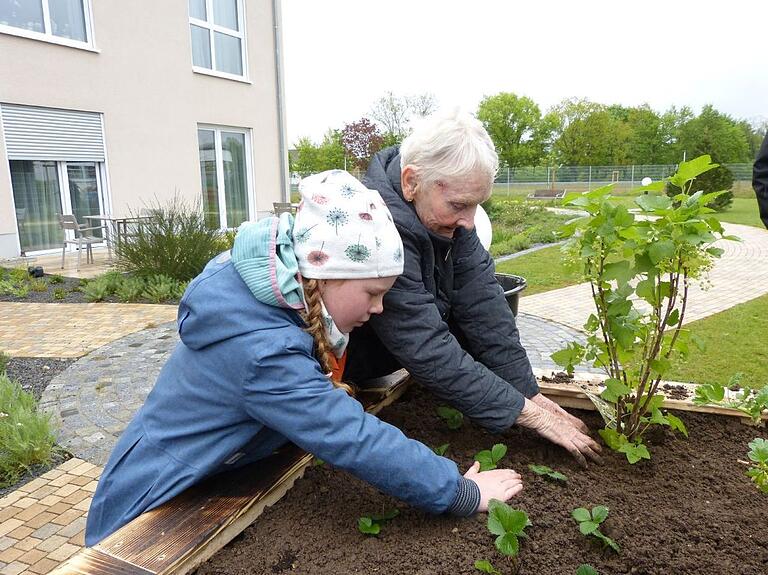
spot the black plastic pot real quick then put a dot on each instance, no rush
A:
(512, 286)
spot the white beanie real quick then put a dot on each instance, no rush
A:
(344, 230)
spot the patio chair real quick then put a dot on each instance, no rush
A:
(283, 208)
(82, 239)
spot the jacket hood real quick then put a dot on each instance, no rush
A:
(218, 305)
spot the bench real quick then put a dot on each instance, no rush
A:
(187, 530)
(547, 195)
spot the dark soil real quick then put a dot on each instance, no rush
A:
(690, 510)
(35, 373)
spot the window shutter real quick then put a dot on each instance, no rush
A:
(33, 133)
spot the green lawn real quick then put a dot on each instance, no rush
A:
(543, 270)
(737, 341)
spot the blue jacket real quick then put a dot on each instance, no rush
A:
(242, 382)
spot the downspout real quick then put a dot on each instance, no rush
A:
(282, 137)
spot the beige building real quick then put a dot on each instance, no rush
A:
(110, 107)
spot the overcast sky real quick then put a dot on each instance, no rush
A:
(341, 55)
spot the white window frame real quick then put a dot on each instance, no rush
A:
(249, 188)
(211, 27)
(47, 35)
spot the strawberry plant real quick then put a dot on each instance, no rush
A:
(640, 267)
(453, 417)
(586, 569)
(751, 402)
(547, 472)
(371, 525)
(441, 449)
(589, 524)
(758, 453)
(488, 458)
(508, 525)
(485, 567)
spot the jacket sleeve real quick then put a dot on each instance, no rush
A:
(479, 307)
(760, 180)
(413, 330)
(288, 393)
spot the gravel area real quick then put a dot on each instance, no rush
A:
(35, 373)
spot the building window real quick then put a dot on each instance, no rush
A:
(224, 176)
(61, 21)
(218, 38)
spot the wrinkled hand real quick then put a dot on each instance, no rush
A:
(560, 431)
(552, 407)
(501, 484)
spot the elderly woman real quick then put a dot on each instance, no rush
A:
(446, 320)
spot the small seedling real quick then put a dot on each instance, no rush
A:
(589, 524)
(441, 449)
(758, 452)
(547, 472)
(488, 458)
(453, 417)
(508, 525)
(55, 279)
(586, 569)
(59, 293)
(485, 567)
(371, 525)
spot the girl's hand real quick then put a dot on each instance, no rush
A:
(501, 484)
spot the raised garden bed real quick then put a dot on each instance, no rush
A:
(691, 509)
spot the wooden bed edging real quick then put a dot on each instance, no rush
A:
(179, 535)
(572, 394)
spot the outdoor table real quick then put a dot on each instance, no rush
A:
(116, 228)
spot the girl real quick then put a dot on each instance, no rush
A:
(263, 330)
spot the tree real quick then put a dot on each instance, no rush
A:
(589, 134)
(646, 141)
(308, 158)
(392, 114)
(361, 140)
(516, 128)
(422, 105)
(715, 134)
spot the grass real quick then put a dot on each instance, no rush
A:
(26, 435)
(518, 225)
(736, 342)
(543, 270)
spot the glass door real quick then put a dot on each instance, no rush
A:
(84, 194)
(37, 199)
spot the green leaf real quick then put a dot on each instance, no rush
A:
(498, 451)
(608, 541)
(661, 250)
(646, 289)
(656, 402)
(674, 317)
(691, 169)
(717, 252)
(614, 389)
(485, 460)
(650, 203)
(586, 569)
(709, 393)
(634, 452)
(441, 449)
(658, 418)
(677, 424)
(367, 526)
(547, 472)
(613, 438)
(698, 342)
(485, 567)
(599, 513)
(508, 544)
(619, 271)
(587, 527)
(453, 417)
(581, 514)
(503, 519)
(758, 450)
(660, 365)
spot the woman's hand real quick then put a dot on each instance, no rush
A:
(561, 431)
(501, 484)
(552, 407)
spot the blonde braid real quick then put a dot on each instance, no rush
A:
(316, 328)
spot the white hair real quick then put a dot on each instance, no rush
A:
(449, 143)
